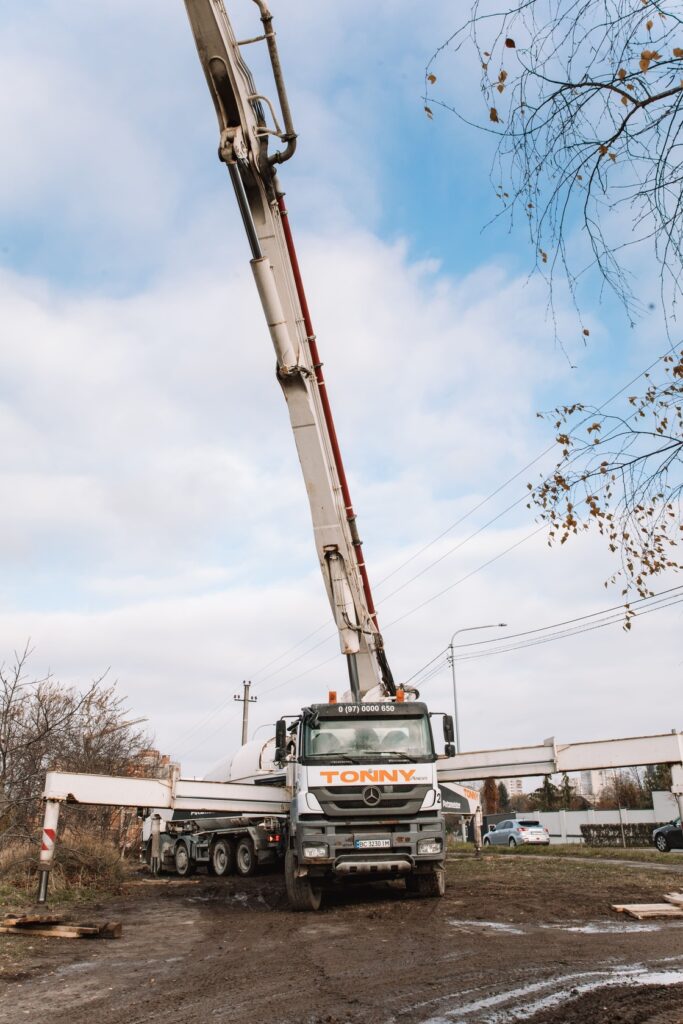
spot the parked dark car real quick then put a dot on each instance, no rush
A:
(668, 837)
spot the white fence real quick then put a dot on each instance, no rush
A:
(565, 826)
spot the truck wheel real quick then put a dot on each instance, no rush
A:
(184, 864)
(431, 884)
(222, 858)
(301, 893)
(245, 857)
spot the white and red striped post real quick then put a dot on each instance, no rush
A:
(47, 847)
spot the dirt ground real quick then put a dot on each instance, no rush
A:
(514, 939)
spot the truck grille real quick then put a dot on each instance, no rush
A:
(342, 801)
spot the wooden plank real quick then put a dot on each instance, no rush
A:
(16, 921)
(109, 930)
(59, 932)
(642, 910)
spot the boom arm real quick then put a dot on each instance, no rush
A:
(245, 133)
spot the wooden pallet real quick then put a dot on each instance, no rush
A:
(52, 926)
(641, 911)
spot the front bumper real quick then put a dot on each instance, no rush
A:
(390, 850)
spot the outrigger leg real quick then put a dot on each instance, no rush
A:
(47, 847)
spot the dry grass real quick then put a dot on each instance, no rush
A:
(84, 866)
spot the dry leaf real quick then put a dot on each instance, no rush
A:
(502, 76)
(586, 331)
(624, 100)
(649, 25)
(621, 73)
(677, 51)
(493, 115)
(431, 79)
(510, 43)
(429, 113)
(643, 64)
(602, 150)
(612, 156)
(500, 87)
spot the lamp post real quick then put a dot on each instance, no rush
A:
(465, 629)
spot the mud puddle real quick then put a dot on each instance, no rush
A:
(528, 1002)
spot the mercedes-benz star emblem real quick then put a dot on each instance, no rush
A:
(371, 796)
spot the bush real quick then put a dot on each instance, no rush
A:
(635, 834)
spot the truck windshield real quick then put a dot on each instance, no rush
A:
(372, 739)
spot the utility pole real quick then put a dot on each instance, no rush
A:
(246, 700)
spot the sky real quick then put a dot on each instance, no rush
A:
(154, 522)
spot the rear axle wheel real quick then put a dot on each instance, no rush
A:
(245, 857)
(222, 857)
(184, 864)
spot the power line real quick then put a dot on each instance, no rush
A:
(616, 620)
(462, 543)
(580, 624)
(467, 576)
(575, 631)
(421, 551)
(568, 622)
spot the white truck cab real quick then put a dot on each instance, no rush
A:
(365, 797)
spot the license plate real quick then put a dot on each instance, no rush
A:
(372, 844)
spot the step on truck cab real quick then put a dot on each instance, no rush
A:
(366, 802)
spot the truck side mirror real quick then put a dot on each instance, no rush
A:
(450, 750)
(280, 739)
(448, 731)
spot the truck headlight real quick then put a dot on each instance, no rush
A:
(318, 851)
(429, 846)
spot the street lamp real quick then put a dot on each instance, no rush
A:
(466, 629)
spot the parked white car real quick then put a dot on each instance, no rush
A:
(517, 833)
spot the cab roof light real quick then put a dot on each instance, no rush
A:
(332, 697)
(400, 695)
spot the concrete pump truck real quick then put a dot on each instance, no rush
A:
(361, 771)
(347, 788)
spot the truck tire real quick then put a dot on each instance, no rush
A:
(245, 857)
(301, 893)
(184, 865)
(222, 860)
(432, 884)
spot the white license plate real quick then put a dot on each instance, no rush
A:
(372, 844)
